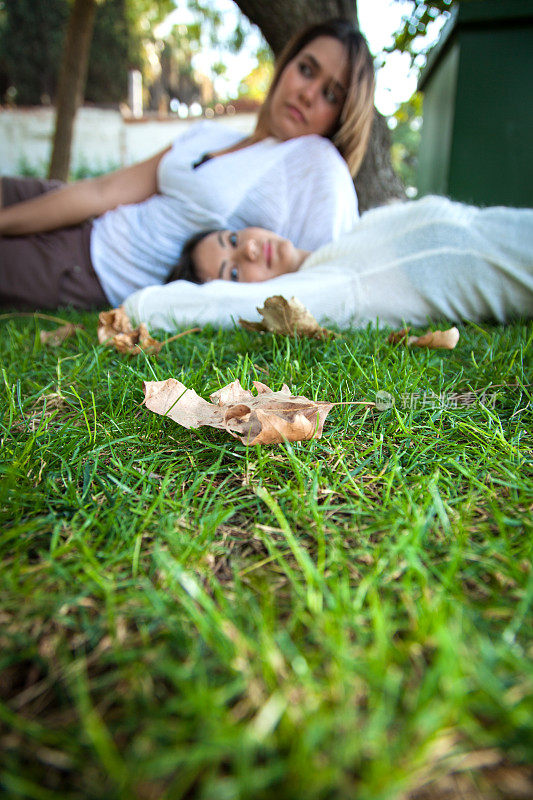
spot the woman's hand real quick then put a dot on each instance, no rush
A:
(76, 202)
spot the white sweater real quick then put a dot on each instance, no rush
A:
(415, 262)
(300, 188)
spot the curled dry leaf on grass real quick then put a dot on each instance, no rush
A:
(436, 340)
(59, 335)
(112, 322)
(266, 418)
(287, 317)
(115, 330)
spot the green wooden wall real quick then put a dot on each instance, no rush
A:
(477, 135)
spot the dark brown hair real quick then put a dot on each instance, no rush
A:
(350, 135)
(185, 268)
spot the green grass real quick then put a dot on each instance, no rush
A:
(183, 617)
(83, 170)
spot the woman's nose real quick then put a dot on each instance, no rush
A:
(251, 249)
(308, 91)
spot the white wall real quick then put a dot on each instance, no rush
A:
(102, 139)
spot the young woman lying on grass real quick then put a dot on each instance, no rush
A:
(95, 242)
(430, 259)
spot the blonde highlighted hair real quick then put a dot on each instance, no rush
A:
(351, 133)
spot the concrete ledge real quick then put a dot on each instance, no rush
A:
(102, 138)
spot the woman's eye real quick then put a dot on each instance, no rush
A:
(234, 274)
(330, 96)
(232, 239)
(305, 69)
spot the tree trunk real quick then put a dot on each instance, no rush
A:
(376, 183)
(71, 83)
(281, 19)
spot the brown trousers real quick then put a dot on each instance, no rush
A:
(46, 270)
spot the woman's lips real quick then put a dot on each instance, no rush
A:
(296, 113)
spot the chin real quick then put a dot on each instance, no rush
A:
(287, 128)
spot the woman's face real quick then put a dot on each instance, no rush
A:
(310, 93)
(248, 255)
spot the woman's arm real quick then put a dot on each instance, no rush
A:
(329, 292)
(76, 202)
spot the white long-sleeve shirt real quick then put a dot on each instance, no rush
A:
(300, 188)
(430, 259)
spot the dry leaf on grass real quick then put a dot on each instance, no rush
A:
(266, 418)
(436, 340)
(443, 340)
(52, 401)
(287, 317)
(57, 337)
(115, 329)
(111, 323)
(138, 341)
(46, 406)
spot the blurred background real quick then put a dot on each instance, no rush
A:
(156, 65)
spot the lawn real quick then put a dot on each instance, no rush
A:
(185, 617)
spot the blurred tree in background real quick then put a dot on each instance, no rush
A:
(115, 48)
(71, 81)
(255, 85)
(405, 126)
(72, 76)
(416, 23)
(171, 74)
(31, 38)
(32, 35)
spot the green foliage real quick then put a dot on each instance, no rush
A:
(31, 37)
(82, 170)
(415, 27)
(405, 125)
(176, 78)
(210, 16)
(31, 41)
(255, 85)
(112, 53)
(183, 617)
(422, 14)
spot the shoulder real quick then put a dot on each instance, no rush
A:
(317, 146)
(320, 157)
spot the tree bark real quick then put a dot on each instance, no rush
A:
(377, 182)
(71, 83)
(281, 19)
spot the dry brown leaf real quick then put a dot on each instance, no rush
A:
(436, 340)
(57, 337)
(266, 418)
(138, 341)
(116, 330)
(287, 317)
(111, 323)
(399, 336)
